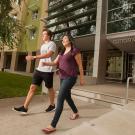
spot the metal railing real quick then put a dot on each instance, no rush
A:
(127, 89)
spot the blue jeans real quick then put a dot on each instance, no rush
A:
(64, 94)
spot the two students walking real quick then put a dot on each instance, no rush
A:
(68, 61)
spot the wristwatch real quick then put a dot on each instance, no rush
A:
(34, 57)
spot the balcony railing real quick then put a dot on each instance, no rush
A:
(72, 18)
(77, 6)
(55, 7)
(75, 27)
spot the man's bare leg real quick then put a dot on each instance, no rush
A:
(51, 92)
(51, 97)
(23, 109)
(30, 95)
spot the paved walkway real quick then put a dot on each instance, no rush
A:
(12, 123)
(117, 122)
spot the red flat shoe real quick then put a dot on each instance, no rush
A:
(48, 130)
(74, 117)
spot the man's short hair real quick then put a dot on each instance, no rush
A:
(49, 32)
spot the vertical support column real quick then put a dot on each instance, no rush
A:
(133, 72)
(122, 67)
(2, 61)
(29, 63)
(37, 60)
(14, 61)
(100, 51)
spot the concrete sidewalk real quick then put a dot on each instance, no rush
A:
(117, 122)
(13, 123)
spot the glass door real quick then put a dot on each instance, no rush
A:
(114, 67)
(130, 65)
(87, 60)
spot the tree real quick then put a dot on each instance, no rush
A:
(9, 27)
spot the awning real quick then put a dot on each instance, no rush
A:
(124, 41)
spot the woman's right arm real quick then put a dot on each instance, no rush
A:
(79, 63)
(53, 63)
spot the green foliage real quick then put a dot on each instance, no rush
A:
(5, 8)
(13, 85)
(9, 27)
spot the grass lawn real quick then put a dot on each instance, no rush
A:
(14, 85)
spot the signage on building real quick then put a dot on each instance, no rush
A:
(123, 40)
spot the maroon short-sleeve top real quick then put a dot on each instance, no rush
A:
(67, 64)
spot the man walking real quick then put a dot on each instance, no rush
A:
(42, 73)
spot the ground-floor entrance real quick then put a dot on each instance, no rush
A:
(131, 65)
(114, 66)
(120, 65)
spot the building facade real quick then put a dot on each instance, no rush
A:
(104, 30)
(30, 13)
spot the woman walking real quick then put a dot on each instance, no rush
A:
(68, 62)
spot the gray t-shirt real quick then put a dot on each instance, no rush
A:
(45, 48)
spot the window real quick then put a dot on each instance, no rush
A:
(87, 60)
(32, 34)
(34, 14)
(121, 15)
(18, 2)
(114, 65)
(15, 16)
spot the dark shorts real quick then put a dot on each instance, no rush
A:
(39, 76)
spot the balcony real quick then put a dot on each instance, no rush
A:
(55, 7)
(72, 17)
(75, 27)
(82, 4)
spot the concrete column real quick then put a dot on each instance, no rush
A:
(133, 72)
(99, 64)
(14, 61)
(29, 63)
(2, 60)
(37, 60)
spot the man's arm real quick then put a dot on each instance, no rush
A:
(47, 55)
(53, 63)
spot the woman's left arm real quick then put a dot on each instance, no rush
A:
(79, 63)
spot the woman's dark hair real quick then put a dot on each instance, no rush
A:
(71, 42)
(49, 32)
